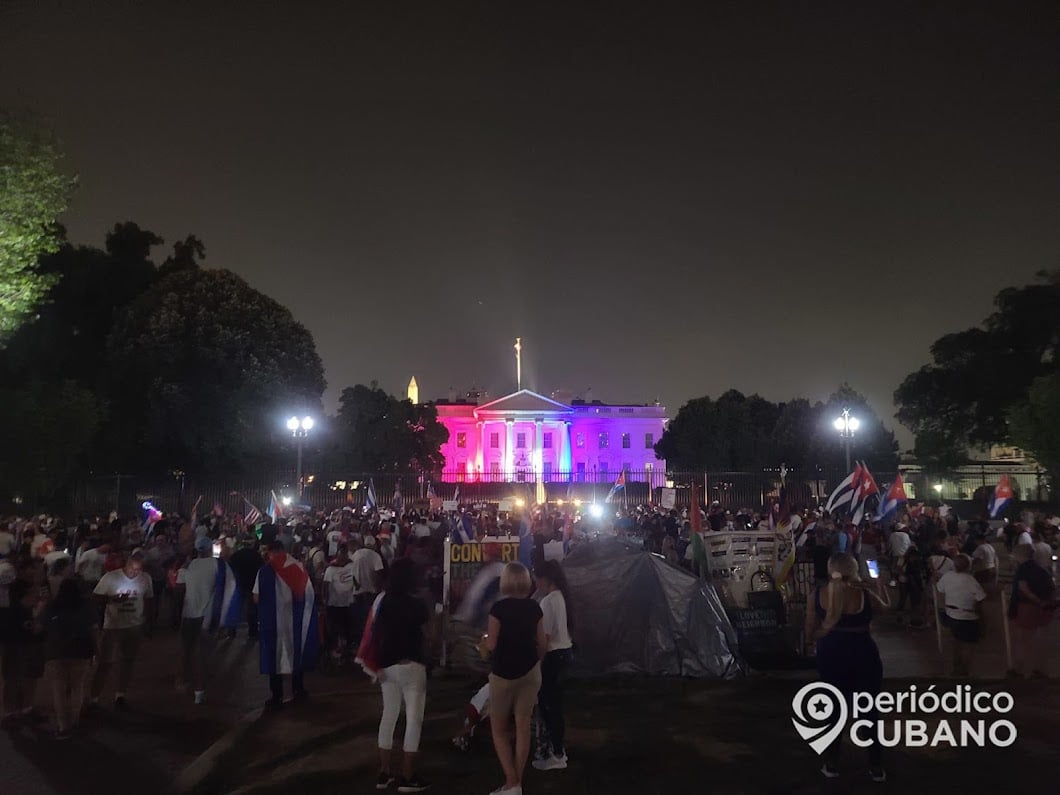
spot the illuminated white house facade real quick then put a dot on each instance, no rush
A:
(529, 437)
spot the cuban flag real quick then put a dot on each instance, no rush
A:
(289, 637)
(845, 491)
(225, 605)
(866, 489)
(484, 590)
(370, 500)
(456, 496)
(620, 484)
(1002, 497)
(275, 508)
(894, 499)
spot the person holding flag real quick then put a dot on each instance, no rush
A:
(289, 640)
(1001, 498)
(620, 485)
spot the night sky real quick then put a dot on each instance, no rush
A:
(774, 198)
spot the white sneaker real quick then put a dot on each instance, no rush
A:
(551, 763)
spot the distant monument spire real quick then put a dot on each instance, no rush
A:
(414, 392)
(518, 363)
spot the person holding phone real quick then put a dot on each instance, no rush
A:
(838, 623)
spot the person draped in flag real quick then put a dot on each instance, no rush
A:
(287, 614)
(1001, 498)
(211, 601)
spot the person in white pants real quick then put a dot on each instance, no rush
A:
(398, 628)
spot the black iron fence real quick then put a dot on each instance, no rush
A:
(732, 490)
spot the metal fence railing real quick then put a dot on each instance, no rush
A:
(327, 491)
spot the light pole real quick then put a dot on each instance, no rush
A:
(299, 429)
(846, 425)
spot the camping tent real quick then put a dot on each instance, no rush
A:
(635, 613)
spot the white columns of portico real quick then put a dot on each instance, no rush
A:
(539, 449)
(509, 450)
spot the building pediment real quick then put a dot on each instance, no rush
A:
(525, 403)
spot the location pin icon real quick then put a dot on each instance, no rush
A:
(819, 714)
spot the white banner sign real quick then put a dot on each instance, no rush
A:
(668, 500)
(449, 505)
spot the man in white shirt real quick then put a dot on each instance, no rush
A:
(90, 565)
(984, 561)
(123, 591)
(368, 578)
(339, 585)
(197, 582)
(898, 544)
(334, 538)
(962, 596)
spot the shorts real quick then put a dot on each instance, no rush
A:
(965, 630)
(519, 695)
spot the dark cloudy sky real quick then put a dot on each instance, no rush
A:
(772, 197)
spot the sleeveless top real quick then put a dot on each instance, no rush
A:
(857, 620)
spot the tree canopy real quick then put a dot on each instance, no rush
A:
(738, 432)
(376, 432)
(33, 194)
(1034, 424)
(977, 377)
(205, 368)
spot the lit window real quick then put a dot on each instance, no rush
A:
(579, 439)
(603, 440)
(461, 440)
(495, 440)
(649, 441)
(547, 441)
(520, 440)
(625, 441)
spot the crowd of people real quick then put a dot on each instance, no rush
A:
(77, 600)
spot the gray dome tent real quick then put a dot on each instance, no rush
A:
(635, 613)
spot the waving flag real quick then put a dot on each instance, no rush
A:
(780, 520)
(456, 496)
(894, 499)
(866, 490)
(620, 484)
(370, 501)
(1002, 496)
(482, 592)
(699, 549)
(253, 515)
(368, 653)
(289, 638)
(275, 508)
(225, 604)
(844, 492)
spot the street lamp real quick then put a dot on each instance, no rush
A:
(938, 489)
(299, 429)
(846, 425)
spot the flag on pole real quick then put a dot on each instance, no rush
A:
(253, 515)
(620, 484)
(784, 525)
(844, 492)
(398, 502)
(456, 496)
(1002, 496)
(370, 501)
(893, 500)
(275, 508)
(430, 491)
(867, 489)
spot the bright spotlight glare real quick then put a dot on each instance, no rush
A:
(286, 501)
(839, 424)
(520, 502)
(853, 423)
(307, 423)
(292, 424)
(596, 511)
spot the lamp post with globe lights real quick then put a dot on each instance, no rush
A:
(846, 425)
(299, 429)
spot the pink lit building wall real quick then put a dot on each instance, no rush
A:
(529, 437)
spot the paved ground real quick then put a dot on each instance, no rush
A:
(626, 735)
